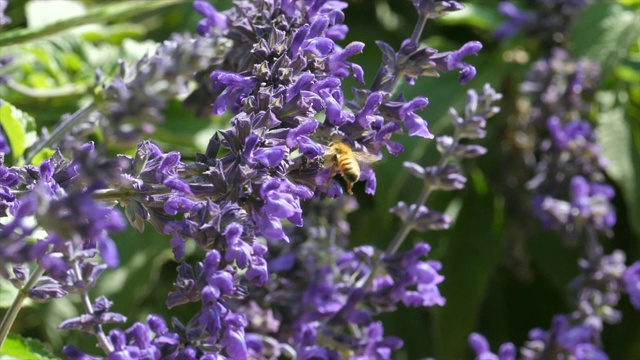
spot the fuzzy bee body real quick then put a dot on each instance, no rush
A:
(341, 157)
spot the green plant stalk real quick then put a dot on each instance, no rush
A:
(407, 226)
(377, 84)
(104, 342)
(62, 130)
(65, 90)
(15, 307)
(100, 14)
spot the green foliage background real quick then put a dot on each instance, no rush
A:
(504, 274)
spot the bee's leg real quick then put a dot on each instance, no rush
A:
(349, 187)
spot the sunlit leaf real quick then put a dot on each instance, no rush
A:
(18, 347)
(19, 128)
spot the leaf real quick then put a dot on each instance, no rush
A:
(41, 13)
(18, 347)
(604, 32)
(620, 141)
(19, 128)
(484, 17)
(7, 293)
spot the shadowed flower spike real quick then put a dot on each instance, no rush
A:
(631, 280)
(212, 18)
(517, 19)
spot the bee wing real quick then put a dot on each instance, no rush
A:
(365, 157)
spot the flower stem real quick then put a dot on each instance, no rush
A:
(15, 307)
(407, 225)
(65, 127)
(417, 31)
(104, 342)
(379, 84)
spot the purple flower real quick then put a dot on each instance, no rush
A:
(212, 18)
(4, 19)
(631, 280)
(480, 347)
(88, 322)
(517, 19)
(281, 201)
(450, 60)
(4, 144)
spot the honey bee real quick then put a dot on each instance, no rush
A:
(341, 157)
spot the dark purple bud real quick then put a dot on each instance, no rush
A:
(46, 288)
(21, 272)
(157, 324)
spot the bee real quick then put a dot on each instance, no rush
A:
(341, 157)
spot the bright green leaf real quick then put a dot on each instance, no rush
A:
(41, 13)
(17, 347)
(42, 156)
(630, 2)
(483, 17)
(19, 128)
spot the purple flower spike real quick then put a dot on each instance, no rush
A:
(212, 18)
(339, 66)
(631, 280)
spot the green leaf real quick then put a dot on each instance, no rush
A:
(19, 128)
(620, 141)
(43, 155)
(118, 10)
(484, 17)
(7, 293)
(18, 347)
(604, 32)
(41, 13)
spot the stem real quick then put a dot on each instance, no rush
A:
(406, 227)
(417, 31)
(104, 342)
(63, 129)
(592, 247)
(382, 74)
(15, 307)
(119, 10)
(65, 90)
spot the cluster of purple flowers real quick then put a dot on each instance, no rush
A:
(547, 21)
(571, 194)
(275, 65)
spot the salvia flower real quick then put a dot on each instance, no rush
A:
(4, 19)
(480, 347)
(631, 279)
(548, 20)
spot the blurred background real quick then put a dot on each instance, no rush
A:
(504, 273)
